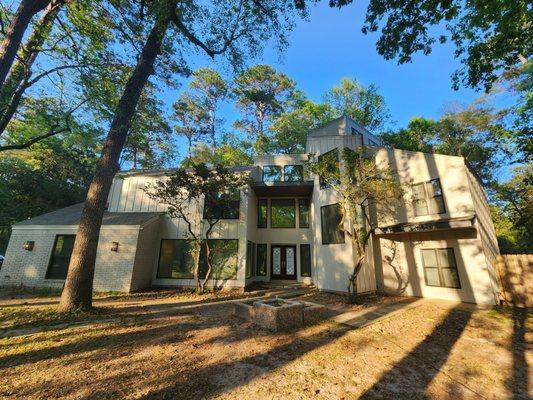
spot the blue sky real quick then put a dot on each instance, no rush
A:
(330, 46)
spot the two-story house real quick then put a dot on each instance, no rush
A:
(440, 244)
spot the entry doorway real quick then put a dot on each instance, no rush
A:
(283, 262)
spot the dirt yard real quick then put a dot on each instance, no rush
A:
(185, 347)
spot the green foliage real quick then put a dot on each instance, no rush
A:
(417, 136)
(489, 35)
(363, 104)
(230, 152)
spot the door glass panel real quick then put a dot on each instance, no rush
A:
(290, 261)
(276, 261)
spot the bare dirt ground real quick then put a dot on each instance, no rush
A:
(181, 346)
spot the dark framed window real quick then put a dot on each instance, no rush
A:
(262, 213)
(222, 205)
(303, 213)
(60, 259)
(224, 258)
(176, 259)
(305, 259)
(261, 260)
(440, 268)
(428, 198)
(331, 158)
(249, 259)
(282, 213)
(293, 173)
(331, 217)
(272, 173)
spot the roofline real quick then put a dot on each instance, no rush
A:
(160, 172)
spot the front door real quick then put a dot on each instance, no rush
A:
(283, 262)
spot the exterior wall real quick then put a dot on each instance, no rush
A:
(403, 273)
(113, 269)
(147, 248)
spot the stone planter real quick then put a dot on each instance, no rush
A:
(244, 310)
(313, 312)
(278, 314)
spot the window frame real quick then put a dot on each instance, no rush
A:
(272, 213)
(439, 268)
(47, 273)
(298, 166)
(426, 198)
(159, 259)
(322, 225)
(279, 167)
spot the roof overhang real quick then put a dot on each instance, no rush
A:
(428, 226)
(282, 189)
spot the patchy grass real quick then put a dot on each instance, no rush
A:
(178, 347)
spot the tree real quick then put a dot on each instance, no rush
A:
(367, 192)
(261, 93)
(417, 136)
(209, 90)
(184, 191)
(231, 152)
(247, 25)
(364, 104)
(489, 36)
(189, 117)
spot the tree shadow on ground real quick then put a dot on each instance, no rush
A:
(520, 378)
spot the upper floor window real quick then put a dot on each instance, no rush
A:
(303, 213)
(272, 173)
(331, 158)
(262, 213)
(332, 232)
(293, 173)
(282, 213)
(428, 198)
(222, 205)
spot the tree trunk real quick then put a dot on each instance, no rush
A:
(212, 131)
(11, 43)
(17, 81)
(77, 293)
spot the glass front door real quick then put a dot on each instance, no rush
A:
(283, 262)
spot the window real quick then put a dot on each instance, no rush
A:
(303, 213)
(261, 263)
(222, 205)
(293, 173)
(176, 259)
(372, 143)
(331, 219)
(262, 213)
(282, 213)
(60, 259)
(428, 198)
(440, 268)
(272, 173)
(223, 259)
(305, 259)
(331, 158)
(249, 259)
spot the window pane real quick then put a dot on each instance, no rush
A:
(293, 173)
(418, 191)
(303, 213)
(429, 258)
(282, 213)
(262, 213)
(223, 259)
(249, 259)
(176, 259)
(446, 257)
(433, 188)
(331, 218)
(271, 173)
(432, 276)
(450, 277)
(421, 207)
(305, 259)
(331, 159)
(437, 205)
(222, 205)
(60, 259)
(261, 267)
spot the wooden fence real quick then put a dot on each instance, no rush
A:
(515, 273)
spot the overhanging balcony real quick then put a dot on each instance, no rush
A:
(283, 189)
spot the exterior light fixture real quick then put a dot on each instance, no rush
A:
(114, 246)
(28, 245)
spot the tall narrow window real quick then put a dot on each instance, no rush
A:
(282, 213)
(60, 259)
(272, 173)
(261, 266)
(176, 259)
(303, 213)
(331, 218)
(293, 173)
(305, 259)
(331, 159)
(262, 213)
(428, 198)
(440, 268)
(249, 259)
